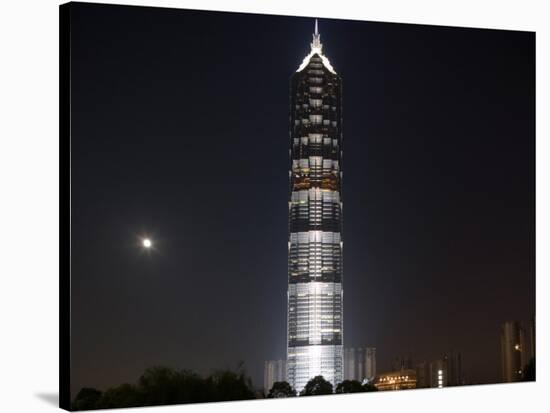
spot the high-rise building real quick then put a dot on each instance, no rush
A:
(360, 364)
(370, 364)
(533, 338)
(438, 373)
(512, 347)
(402, 362)
(443, 372)
(274, 371)
(454, 369)
(350, 364)
(423, 375)
(315, 316)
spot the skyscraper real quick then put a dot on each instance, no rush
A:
(512, 345)
(315, 319)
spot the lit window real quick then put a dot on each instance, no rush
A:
(315, 103)
(316, 119)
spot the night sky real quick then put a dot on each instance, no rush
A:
(180, 133)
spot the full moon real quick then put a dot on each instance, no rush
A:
(147, 243)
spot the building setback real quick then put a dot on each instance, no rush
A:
(315, 319)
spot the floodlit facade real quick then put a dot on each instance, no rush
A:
(315, 319)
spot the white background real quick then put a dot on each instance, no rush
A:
(29, 201)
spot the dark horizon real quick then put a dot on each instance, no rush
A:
(180, 133)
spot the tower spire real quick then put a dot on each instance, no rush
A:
(316, 45)
(316, 49)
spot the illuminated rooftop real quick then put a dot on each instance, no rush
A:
(316, 48)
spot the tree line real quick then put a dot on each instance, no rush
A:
(319, 386)
(164, 386)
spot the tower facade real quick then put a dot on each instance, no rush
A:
(315, 317)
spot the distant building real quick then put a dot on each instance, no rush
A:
(396, 380)
(360, 364)
(370, 363)
(402, 363)
(446, 371)
(423, 375)
(454, 369)
(274, 371)
(533, 338)
(350, 364)
(438, 373)
(512, 349)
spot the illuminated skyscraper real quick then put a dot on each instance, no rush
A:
(315, 319)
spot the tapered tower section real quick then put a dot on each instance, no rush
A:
(315, 246)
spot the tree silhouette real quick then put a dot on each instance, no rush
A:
(529, 371)
(317, 386)
(125, 395)
(162, 385)
(228, 385)
(86, 399)
(349, 386)
(369, 387)
(281, 389)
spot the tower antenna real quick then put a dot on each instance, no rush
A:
(316, 45)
